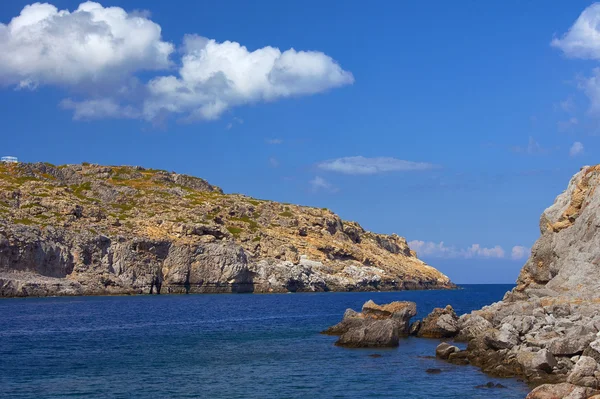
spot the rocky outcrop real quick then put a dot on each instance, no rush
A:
(441, 323)
(547, 329)
(375, 326)
(91, 229)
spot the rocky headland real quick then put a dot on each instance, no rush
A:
(95, 230)
(547, 329)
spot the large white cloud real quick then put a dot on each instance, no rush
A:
(583, 38)
(216, 76)
(583, 41)
(97, 53)
(360, 165)
(46, 46)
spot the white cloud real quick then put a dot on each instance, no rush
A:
(360, 165)
(97, 52)
(217, 76)
(99, 109)
(46, 46)
(576, 149)
(318, 183)
(441, 250)
(519, 252)
(583, 38)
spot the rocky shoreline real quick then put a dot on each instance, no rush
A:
(547, 329)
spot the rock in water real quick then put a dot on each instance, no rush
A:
(547, 328)
(375, 326)
(91, 229)
(441, 323)
(444, 350)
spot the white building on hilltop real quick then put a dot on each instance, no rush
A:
(9, 159)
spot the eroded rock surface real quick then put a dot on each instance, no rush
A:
(375, 326)
(547, 329)
(91, 229)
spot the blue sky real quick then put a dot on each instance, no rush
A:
(453, 124)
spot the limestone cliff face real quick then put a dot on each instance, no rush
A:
(90, 229)
(565, 260)
(547, 329)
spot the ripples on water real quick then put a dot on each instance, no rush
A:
(224, 346)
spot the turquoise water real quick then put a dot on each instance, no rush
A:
(224, 346)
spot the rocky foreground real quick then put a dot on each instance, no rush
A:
(90, 229)
(546, 330)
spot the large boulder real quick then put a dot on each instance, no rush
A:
(504, 338)
(470, 326)
(444, 350)
(375, 326)
(441, 323)
(561, 391)
(533, 361)
(583, 373)
(371, 333)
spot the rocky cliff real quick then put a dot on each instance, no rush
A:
(547, 328)
(90, 229)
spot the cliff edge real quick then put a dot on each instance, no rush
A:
(90, 229)
(547, 329)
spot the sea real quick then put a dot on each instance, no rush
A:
(226, 346)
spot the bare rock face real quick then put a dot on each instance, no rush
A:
(546, 329)
(375, 326)
(91, 229)
(441, 323)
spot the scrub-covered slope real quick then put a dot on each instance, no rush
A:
(90, 229)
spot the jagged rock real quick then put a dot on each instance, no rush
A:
(583, 373)
(471, 325)
(459, 357)
(444, 350)
(91, 229)
(570, 345)
(414, 327)
(540, 360)
(561, 391)
(504, 338)
(371, 333)
(441, 323)
(375, 326)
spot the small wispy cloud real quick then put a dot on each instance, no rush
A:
(576, 149)
(567, 105)
(360, 165)
(532, 147)
(274, 141)
(519, 252)
(273, 162)
(320, 184)
(441, 250)
(234, 121)
(569, 124)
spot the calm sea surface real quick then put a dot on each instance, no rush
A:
(224, 346)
